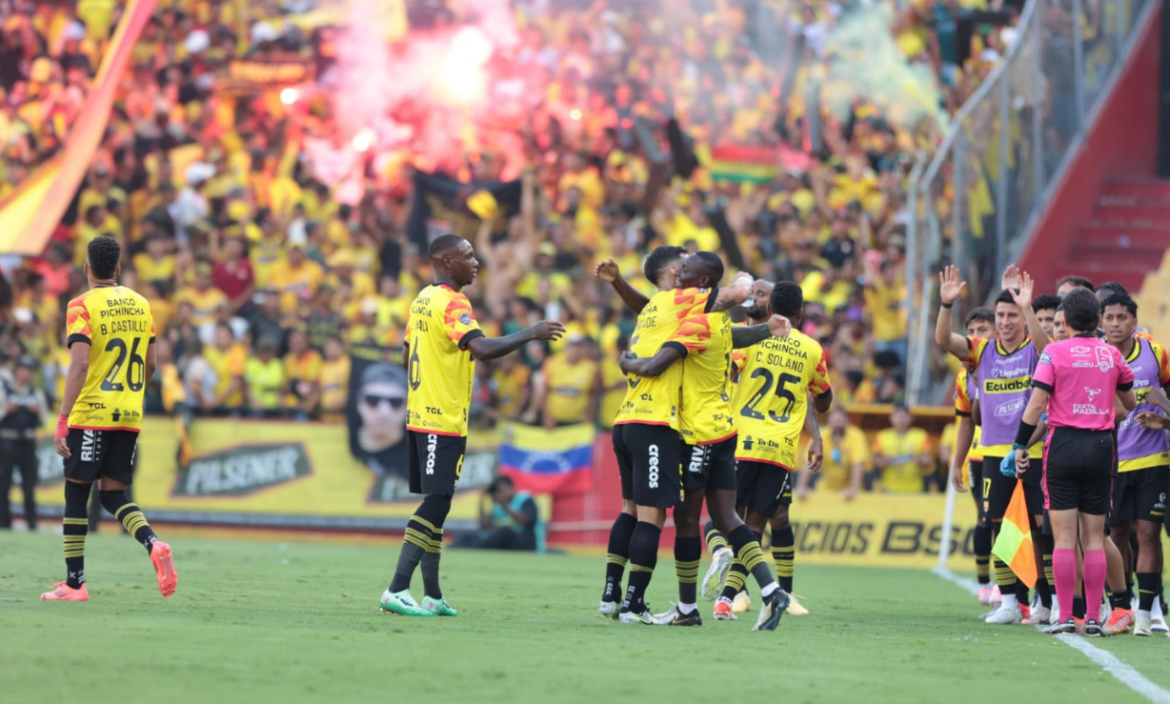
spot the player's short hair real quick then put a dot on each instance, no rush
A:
(1120, 299)
(444, 243)
(659, 259)
(712, 266)
(1046, 302)
(1112, 287)
(1082, 311)
(1080, 281)
(104, 253)
(787, 299)
(1005, 296)
(983, 313)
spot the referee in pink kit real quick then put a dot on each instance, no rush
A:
(1076, 382)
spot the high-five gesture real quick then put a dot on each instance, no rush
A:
(1023, 295)
(1011, 278)
(950, 287)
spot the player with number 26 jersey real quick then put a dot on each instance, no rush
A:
(772, 397)
(117, 325)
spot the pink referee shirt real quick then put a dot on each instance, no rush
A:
(1082, 376)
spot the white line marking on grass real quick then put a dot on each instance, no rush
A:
(966, 584)
(1121, 671)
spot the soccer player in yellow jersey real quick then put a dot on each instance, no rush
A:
(708, 430)
(111, 355)
(441, 344)
(771, 404)
(645, 436)
(980, 323)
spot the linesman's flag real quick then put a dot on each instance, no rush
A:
(540, 461)
(1014, 544)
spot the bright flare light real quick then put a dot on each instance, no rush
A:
(288, 96)
(575, 114)
(363, 140)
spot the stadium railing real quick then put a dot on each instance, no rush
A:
(976, 201)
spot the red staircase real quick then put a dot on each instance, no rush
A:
(1108, 217)
(1126, 234)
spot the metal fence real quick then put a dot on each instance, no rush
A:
(976, 200)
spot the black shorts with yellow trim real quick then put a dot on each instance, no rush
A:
(436, 462)
(762, 487)
(709, 466)
(101, 453)
(649, 458)
(1140, 495)
(998, 489)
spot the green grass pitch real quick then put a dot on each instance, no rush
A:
(264, 622)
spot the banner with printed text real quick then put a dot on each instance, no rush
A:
(277, 474)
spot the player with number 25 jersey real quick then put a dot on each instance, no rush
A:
(772, 397)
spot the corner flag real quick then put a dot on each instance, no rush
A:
(1014, 544)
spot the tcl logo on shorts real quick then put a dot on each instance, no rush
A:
(432, 445)
(696, 460)
(653, 466)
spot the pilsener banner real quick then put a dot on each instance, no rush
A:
(272, 474)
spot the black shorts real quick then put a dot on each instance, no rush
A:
(998, 489)
(1139, 495)
(1078, 470)
(709, 466)
(649, 458)
(763, 487)
(101, 453)
(436, 461)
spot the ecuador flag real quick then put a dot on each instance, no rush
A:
(1014, 544)
(541, 461)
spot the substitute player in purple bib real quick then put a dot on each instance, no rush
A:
(1003, 377)
(1143, 456)
(1076, 382)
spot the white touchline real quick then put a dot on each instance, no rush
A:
(1121, 672)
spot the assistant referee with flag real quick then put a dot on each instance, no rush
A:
(1076, 381)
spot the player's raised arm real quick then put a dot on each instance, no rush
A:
(608, 272)
(1023, 299)
(494, 347)
(950, 288)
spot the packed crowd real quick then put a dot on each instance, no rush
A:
(264, 283)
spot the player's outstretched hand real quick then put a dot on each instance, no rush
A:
(607, 271)
(1011, 278)
(1023, 296)
(1153, 421)
(779, 326)
(743, 280)
(950, 287)
(547, 330)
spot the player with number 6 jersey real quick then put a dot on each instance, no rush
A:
(110, 335)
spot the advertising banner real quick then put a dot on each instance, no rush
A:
(271, 473)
